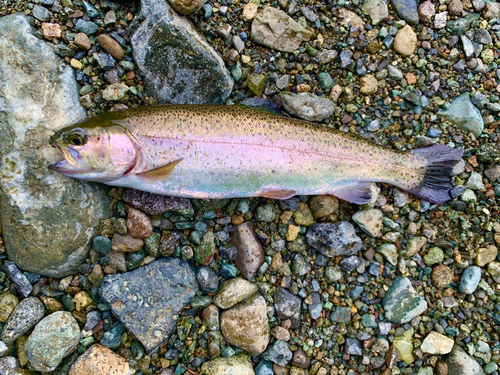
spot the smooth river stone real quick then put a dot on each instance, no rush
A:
(148, 299)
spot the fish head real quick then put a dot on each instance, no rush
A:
(101, 153)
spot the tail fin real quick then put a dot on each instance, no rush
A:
(435, 186)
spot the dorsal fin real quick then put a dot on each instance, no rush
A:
(158, 174)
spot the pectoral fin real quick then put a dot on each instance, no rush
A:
(278, 194)
(158, 174)
(358, 192)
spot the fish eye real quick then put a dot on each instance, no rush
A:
(77, 139)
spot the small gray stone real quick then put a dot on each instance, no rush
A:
(326, 56)
(24, 317)
(401, 302)
(53, 338)
(207, 279)
(470, 280)
(468, 47)
(315, 308)
(148, 299)
(20, 281)
(307, 106)
(278, 353)
(87, 27)
(41, 13)
(352, 346)
(475, 182)
(482, 36)
(394, 73)
(407, 10)
(282, 82)
(376, 9)
(287, 306)
(334, 239)
(464, 115)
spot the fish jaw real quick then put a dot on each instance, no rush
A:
(72, 163)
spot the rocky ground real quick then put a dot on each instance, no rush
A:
(310, 285)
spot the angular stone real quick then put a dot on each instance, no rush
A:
(442, 276)
(250, 251)
(154, 204)
(464, 115)
(376, 9)
(235, 365)
(148, 299)
(460, 363)
(273, 28)
(334, 239)
(368, 85)
(100, 360)
(8, 302)
(24, 317)
(426, 10)
(287, 306)
(48, 220)
(347, 16)
(404, 346)
(246, 325)
(18, 279)
(126, 244)
(53, 338)
(177, 63)
(278, 353)
(370, 221)
(233, 291)
(401, 302)
(486, 255)
(323, 205)
(436, 343)
(307, 106)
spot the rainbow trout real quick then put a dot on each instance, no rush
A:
(210, 151)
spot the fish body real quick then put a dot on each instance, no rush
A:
(210, 151)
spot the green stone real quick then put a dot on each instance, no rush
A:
(404, 346)
(303, 215)
(256, 83)
(325, 81)
(464, 115)
(351, 108)
(434, 256)
(152, 244)
(206, 249)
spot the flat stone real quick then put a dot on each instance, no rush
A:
(148, 299)
(389, 252)
(235, 365)
(52, 339)
(370, 221)
(187, 6)
(41, 13)
(155, 204)
(177, 64)
(246, 325)
(334, 239)
(470, 280)
(347, 16)
(405, 41)
(8, 302)
(401, 302)
(48, 219)
(126, 244)
(250, 251)
(233, 291)
(138, 223)
(460, 363)
(18, 279)
(82, 41)
(278, 353)
(273, 28)
(24, 317)
(492, 10)
(307, 106)
(407, 10)
(376, 9)
(404, 346)
(436, 343)
(353, 347)
(287, 306)
(100, 360)
(486, 255)
(464, 115)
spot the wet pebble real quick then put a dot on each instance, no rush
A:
(24, 317)
(99, 359)
(334, 239)
(207, 279)
(401, 302)
(233, 291)
(470, 280)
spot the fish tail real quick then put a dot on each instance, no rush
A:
(435, 185)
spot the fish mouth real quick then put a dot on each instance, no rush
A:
(71, 163)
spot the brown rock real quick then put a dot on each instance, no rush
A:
(127, 243)
(411, 79)
(426, 10)
(169, 244)
(138, 223)
(96, 275)
(111, 46)
(100, 360)
(405, 41)
(117, 261)
(368, 85)
(280, 333)
(276, 262)
(323, 205)
(246, 325)
(7, 304)
(455, 8)
(442, 276)
(51, 30)
(187, 6)
(155, 204)
(249, 11)
(373, 47)
(82, 41)
(250, 251)
(441, 368)
(486, 255)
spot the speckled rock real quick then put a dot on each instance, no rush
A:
(24, 317)
(464, 115)
(307, 106)
(470, 280)
(53, 338)
(233, 291)
(273, 28)
(401, 302)
(436, 343)
(405, 41)
(235, 365)
(148, 299)
(323, 205)
(100, 360)
(460, 363)
(334, 239)
(8, 302)
(246, 325)
(126, 243)
(40, 210)
(442, 276)
(278, 353)
(155, 204)
(250, 251)
(426, 10)
(138, 223)
(287, 306)
(370, 221)
(177, 63)
(368, 85)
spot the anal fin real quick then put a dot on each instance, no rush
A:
(278, 194)
(357, 192)
(158, 174)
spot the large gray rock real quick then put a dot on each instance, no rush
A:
(148, 299)
(47, 219)
(178, 65)
(460, 363)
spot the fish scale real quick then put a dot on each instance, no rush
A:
(210, 151)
